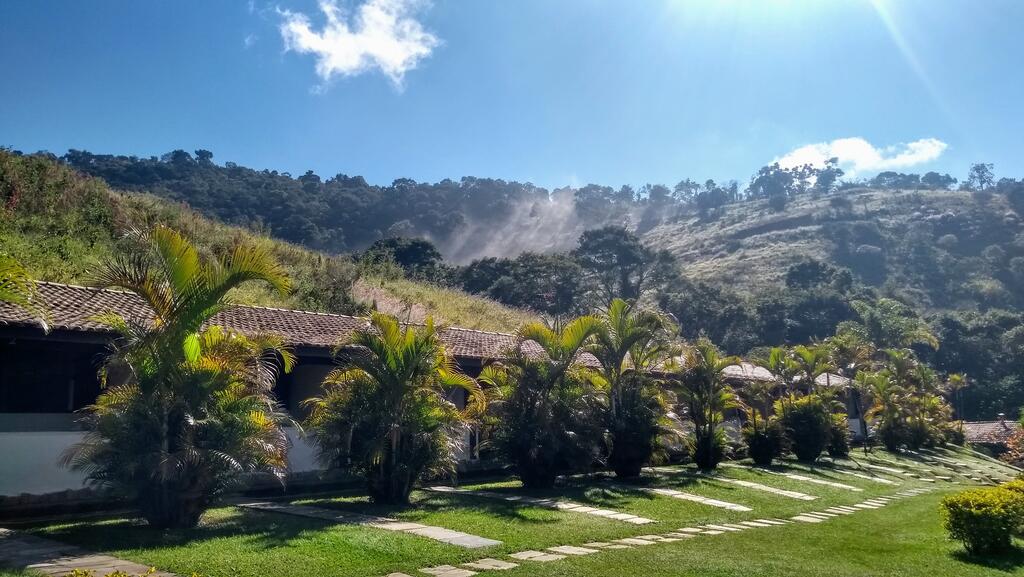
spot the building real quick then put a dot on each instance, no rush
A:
(45, 378)
(993, 436)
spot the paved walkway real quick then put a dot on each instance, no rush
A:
(865, 476)
(55, 559)
(548, 503)
(441, 534)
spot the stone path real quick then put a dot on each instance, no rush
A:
(860, 475)
(441, 534)
(566, 551)
(55, 559)
(797, 477)
(767, 489)
(695, 498)
(548, 503)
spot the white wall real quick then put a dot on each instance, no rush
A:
(29, 461)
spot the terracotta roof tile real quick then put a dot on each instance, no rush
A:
(72, 307)
(990, 432)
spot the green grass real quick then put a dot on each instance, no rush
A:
(905, 538)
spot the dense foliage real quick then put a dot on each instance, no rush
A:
(188, 409)
(546, 405)
(387, 409)
(984, 520)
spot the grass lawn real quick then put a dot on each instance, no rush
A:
(904, 538)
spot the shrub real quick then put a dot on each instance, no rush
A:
(707, 450)
(764, 442)
(984, 520)
(808, 425)
(839, 437)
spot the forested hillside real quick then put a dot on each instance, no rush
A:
(786, 259)
(60, 225)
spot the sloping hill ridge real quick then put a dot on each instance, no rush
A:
(935, 249)
(61, 225)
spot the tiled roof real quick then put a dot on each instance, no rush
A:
(748, 372)
(990, 432)
(72, 307)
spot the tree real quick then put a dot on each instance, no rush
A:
(936, 181)
(629, 343)
(18, 289)
(828, 176)
(387, 407)
(980, 176)
(889, 323)
(416, 256)
(187, 409)
(618, 265)
(812, 362)
(546, 402)
(761, 432)
(887, 407)
(706, 396)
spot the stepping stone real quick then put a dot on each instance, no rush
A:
(722, 528)
(448, 571)
(600, 545)
(807, 519)
(864, 476)
(536, 556)
(712, 532)
(755, 524)
(690, 530)
(797, 477)
(678, 536)
(698, 499)
(866, 506)
(771, 521)
(549, 503)
(767, 489)
(839, 511)
(634, 541)
(488, 564)
(821, 515)
(572, 550)
(740, 527)
(441, 534)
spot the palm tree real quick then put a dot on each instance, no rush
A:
(387, 407)
(187, 409)
(761, 432)
(812, 362)
(17, 288)
(889, 323)
(851, 354)
(887, 406)
(706, 396)
(547, 401)
(629, 343)
(954, 389)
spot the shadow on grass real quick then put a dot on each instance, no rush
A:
(1007, 562)
(430, 503)
(259, 529)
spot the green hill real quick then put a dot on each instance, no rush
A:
(937, 249)
(61, 225)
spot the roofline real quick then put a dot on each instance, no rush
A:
(266, 308)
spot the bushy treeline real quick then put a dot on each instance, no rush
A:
(345, 213)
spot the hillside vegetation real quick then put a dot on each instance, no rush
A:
(61, 225)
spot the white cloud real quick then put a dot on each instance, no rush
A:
(857, 155)
(249, 40)
(380, 34)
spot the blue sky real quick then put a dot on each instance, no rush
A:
(553, 92)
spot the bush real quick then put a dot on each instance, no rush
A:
(764, 443)
(707, 451)
(839, 437)
(808, 425)
(983, 519)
